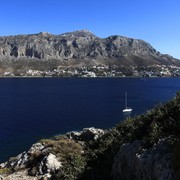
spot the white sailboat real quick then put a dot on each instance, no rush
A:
(127, 109)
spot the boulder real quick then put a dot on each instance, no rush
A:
(134, 162)
(86, 135)
(91, 134)
(74, 135)
(49, 164)
(22, 160)
(35, 162)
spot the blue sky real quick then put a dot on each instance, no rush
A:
(155, 21)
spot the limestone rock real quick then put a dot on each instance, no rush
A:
(86, 135)
(34, 162)
(49, 165)
(74, 135)
(36, 147)
(135, 163)
(91, 134)
(22, 160)
(20, 175)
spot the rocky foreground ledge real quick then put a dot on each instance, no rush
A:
(42, 159)
(40, 162)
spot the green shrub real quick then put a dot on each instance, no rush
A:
(70, 153)
(72, 169)
(4, 171)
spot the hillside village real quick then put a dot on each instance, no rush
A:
(102, 71)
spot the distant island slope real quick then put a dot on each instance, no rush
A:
(82, 54)
(144, 147)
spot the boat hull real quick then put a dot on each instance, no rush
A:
(127, 110)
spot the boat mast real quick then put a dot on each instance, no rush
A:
(126, 100)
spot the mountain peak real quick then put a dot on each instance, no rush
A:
(84, 31)
(80, 33)
(44, 33)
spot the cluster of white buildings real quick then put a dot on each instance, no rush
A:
(103, 71)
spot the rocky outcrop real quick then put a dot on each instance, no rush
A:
(49, 165)
(132, 162)
(81, 46)
(36, 161)
(40, 162)
(86, 135)
(21, 175)
(21, 161)
(135, 162)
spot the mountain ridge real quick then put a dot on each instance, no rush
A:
(45, 52)
(80, 44)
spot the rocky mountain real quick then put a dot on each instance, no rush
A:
(80, 47)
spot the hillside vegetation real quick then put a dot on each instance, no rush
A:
(162, 122)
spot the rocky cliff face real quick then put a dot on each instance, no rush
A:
(135, 162)
(45, 165)
(81, 46)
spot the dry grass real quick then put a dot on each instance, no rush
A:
(62, 146)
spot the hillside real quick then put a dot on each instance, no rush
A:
(140, 148)
(46, 51)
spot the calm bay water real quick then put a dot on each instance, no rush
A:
(31, 109)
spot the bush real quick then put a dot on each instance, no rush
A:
(4, 171)
(72, 169)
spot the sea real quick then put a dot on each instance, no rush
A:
(35, 108)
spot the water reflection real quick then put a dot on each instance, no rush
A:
(127, 115)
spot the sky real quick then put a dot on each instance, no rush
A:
(154, 21)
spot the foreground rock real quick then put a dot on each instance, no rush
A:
(45, 158)
(21, 161)
(134, 162)
(88, 134)
(20, 175)
(36, 159)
